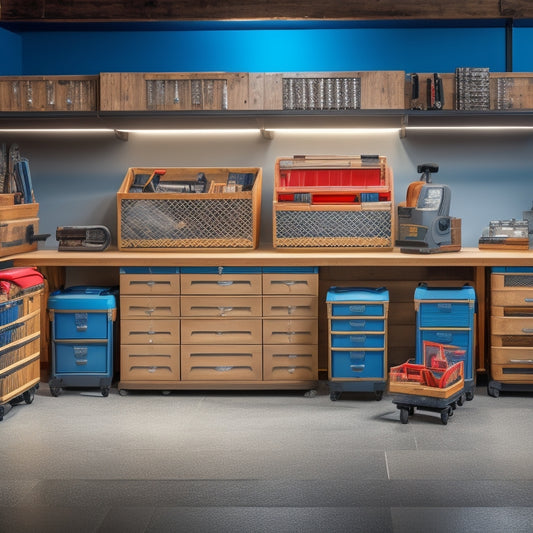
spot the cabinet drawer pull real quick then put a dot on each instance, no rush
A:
(357, 368)
(522, 361)
(527, 330)
(528, 300)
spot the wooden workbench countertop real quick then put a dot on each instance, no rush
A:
(267, 256)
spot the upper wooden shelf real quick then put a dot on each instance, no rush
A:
(136, 10)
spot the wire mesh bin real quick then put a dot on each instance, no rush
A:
(189, 208)
(333, 202)
(20, 339)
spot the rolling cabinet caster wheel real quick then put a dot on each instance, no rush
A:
(29, 395)
(379, 395)
(122, 392)
(404, 415)
(334, 396)
(105, 392)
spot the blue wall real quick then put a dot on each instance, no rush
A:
(263, 50)
(11, 46)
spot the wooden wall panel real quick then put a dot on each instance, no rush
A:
(71, 10)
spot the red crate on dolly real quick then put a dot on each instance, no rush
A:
(437, 385)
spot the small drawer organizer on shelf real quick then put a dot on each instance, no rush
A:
(357, 320)
(511, 329)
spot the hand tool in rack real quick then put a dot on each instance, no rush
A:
(198, 185)
(435, 92)
(146, 182)
(20, 177)
(83, 238)
(415, 92)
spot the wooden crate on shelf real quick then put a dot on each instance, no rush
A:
(332, 90)
(159, 221)
(511, 90)
(18, 224)
(48, 93)
(173, 91)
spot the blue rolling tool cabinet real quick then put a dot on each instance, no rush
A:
(446, 315)
(82, 338)
(357, 323)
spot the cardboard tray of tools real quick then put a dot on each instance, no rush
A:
(221, 208)
(333, 202)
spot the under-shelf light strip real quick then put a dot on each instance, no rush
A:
(290, 131)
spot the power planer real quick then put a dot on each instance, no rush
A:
(424, 222)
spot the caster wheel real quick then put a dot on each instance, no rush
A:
(461, 400)
(311, 393)
(494, 392)
(334, 396)
(16, 401)
(404, 415)
(379, 395)
(444, 416)
(55, 391)
(165, 392)
(2, 411)
(105, 392)
(122, 392)
(29, 395)
(470, 395)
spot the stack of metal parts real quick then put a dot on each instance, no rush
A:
(503, 98)
(472, 88)
(321, 93)
(161, 94)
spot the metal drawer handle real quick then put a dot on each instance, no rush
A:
(527, 330)
(225, 283)
(528, 300)
(81, 362)
(522, 361)
(357, 368)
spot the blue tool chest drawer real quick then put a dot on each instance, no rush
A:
(358, 364)
(357, 323)
(82, 337)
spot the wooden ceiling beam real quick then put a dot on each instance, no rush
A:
(183, 10)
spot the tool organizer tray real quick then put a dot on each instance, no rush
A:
(333, 202)
(159, 221)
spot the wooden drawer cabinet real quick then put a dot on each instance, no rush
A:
(511, 329)
(219, 327)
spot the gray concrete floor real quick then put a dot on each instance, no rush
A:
(263, 462)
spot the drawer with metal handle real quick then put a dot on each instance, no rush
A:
(221, 331)
(150, 362)
(221, 306)
(150, 331)
(149, 306)
(221, 363)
